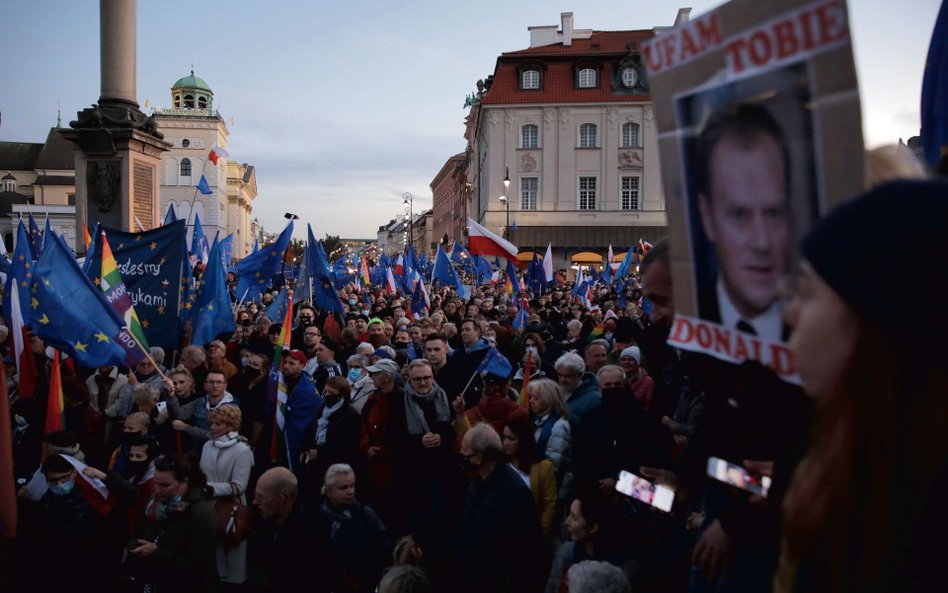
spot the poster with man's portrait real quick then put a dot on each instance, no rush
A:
(759, 126)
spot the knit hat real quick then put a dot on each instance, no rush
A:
(610, 314)
(897, 231)
(375, 320)
(633, 352)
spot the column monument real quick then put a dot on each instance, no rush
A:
(118, 148)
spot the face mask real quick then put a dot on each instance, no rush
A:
(365, 312)
(62, 489)
(352, 302)
(354, 375)
(135, 469)
(244, 362)
(533, 349)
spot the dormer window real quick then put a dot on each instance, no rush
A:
(586, 78)
(530, 79)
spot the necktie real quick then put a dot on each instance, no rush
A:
(746, 327)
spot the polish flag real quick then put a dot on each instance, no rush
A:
(644, 246)
(389, 281)
(23, 353)
(400, 266)
(483, 242)
(216, 153)
(548, 263)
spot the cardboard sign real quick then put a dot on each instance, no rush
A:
(757, 110)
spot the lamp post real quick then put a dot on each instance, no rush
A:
(506, 201)
(408, 204)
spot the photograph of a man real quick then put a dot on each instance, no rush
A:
(742, 182)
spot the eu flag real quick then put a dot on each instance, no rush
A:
(255, 270)
(72, 314)
(203, 187)
(36, 238)
(21, 274)
(324, 293)
(170, 215)
(153, 265)
(198, 240)
(444, 271)
(212, 314)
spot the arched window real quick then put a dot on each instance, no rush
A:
(177, 101)
(202, 102)
(530, 79)
(588, 136)
(587, 78)
(185, 167)
(630, 135)
(189, 101)
(529, 136)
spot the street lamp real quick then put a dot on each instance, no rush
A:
(408, 204)
(506, 201)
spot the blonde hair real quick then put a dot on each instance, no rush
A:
(892, 161)
(226, 414)
(550, 393)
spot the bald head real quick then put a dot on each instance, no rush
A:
(275, 494)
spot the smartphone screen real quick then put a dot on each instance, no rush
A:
(642, 490)
(162, 406)
(738, 476)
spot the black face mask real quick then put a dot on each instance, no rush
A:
(135, 469)
(466, 466)
(306, 322)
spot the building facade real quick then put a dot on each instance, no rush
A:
(193, 126)
(448, 191)
(568, 122)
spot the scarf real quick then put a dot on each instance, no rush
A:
(227, 440)
(544, 429)
(322, 425)
(156, 510)
(415, 416)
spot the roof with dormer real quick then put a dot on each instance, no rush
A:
(558, 61)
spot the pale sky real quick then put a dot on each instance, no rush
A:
(342, 107)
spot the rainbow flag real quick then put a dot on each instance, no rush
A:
(117, 294)
(364, 269)
(87, 238)
(276, 388)
(511, 285)
(55, 419)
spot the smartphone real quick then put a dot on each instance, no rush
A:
(738, 476)
(162, 407)
(660, 497)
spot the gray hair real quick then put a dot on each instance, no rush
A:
(609, 368)
(486, 441)
(419, 362)
(405, 579)
(572, 361)
(144, 392)
(550, 392)
(158, 353)
(365, 348)
(195, 353)
(389, 350)
(592, 576)
(359, 358)
(600, 342)
(574, 324)
(335, 470)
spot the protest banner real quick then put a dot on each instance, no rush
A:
(757, 110)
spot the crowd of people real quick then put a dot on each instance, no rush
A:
(468, 449)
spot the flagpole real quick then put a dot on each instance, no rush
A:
(241, 301)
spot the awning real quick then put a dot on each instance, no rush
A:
(585, 237)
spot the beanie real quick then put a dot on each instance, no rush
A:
(888, 244)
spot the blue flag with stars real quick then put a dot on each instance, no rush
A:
(152, 264)
(36, 238)
(444, 272)
(203, 187)
(20, 274)
(170, 215)
(212, 314)
(72, 314)
(255, 270)
(324, 292)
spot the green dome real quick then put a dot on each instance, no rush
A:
(192, 82)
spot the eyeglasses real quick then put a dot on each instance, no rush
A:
(311, 335)
(209, 382)
(422, 379)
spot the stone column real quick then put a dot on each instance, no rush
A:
(117, 49)
(118, 148)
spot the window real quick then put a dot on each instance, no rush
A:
(630, 135)
(629, 77)
(587, 193)
(202, 102)
(528, 193)
(629, 193)
(185, 167)
(71, 199)
(529, 136)
(177, 101)
(587, 78)
(587, 136)
(185, 143)
(189, 101)
(530, 79)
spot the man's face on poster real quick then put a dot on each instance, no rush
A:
(746, 218)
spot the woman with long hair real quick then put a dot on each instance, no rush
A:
(550, 418)
(528, 461)
(864, 510)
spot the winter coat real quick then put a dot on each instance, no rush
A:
(228, 471)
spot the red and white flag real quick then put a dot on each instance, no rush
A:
(548, 263)
(389, 281)
(216, 154)
(23, 353)
(400, 266)
(483, 242)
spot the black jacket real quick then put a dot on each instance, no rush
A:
(342, 442)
